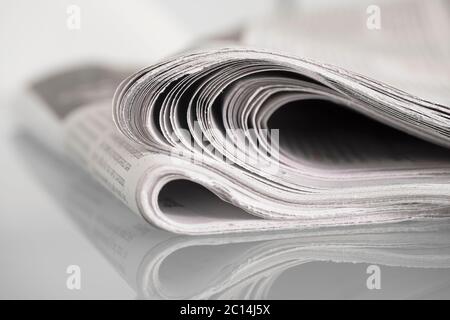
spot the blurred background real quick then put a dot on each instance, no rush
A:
(36, 36)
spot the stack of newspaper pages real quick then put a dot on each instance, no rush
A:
(241, 139)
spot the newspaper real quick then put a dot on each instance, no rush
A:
(238, 139)
(162, 265)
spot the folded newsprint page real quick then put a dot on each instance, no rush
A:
(239, 139)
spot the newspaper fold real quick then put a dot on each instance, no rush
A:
(208, 118)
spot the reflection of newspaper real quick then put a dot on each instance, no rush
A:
(240, 140)
(311, 263)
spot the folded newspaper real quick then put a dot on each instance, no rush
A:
(240, 139)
